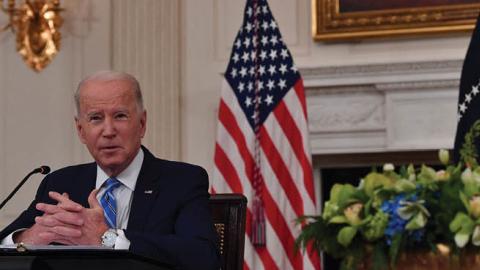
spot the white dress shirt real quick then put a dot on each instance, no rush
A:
(123, 196)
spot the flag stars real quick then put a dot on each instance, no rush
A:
(255, 115)
(261, 70)
(253, 56)
(265, 9)
(241, 87)
(248, 102)
(269, 100)
(245, 57)
(264, 40)
(475, 90)
(270, 85)
(263, 55)
(248, 27)
(273, 24)
(462, 107)
(233, 73)
(250, 87)
(273, 54)
(235, 57)
(251, 71)
(265, 25)
(274, 40)
(249, 11)
(246, 42)
(238, 44)
(258, 11)
(272, 69)
(260, 85)
(468, 98)
(243, 72)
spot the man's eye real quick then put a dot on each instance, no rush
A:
(94, 118)
(121, 116)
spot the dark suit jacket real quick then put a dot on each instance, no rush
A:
(172, 224)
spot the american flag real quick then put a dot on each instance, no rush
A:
(262, 147)
(469, 94)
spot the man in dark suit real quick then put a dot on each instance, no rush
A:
(127, 198)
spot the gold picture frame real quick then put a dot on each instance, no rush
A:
(334, 20)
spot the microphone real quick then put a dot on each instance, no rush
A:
(42, 169)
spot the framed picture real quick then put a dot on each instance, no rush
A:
(359, 19)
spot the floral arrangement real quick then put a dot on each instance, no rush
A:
(394, 211)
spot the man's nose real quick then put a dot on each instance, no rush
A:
(109, 129)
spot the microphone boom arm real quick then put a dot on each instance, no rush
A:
(42, 170)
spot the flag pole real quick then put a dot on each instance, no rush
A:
(258, 219)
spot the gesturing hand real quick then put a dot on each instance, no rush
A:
(70, 223)
(46, 233)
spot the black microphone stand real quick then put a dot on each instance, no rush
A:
(42, 170)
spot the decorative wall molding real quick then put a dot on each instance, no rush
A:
(382, 107)
(146, 43)
(381, 73)
(344, 111)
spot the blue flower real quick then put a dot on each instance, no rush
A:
(396, 224)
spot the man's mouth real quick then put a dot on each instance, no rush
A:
(109, 148)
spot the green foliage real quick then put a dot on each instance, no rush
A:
(468, 152)
(390, 212)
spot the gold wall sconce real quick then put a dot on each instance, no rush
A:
(36, 25)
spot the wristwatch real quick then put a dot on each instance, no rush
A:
(109, 237)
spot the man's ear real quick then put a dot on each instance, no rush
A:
(80, 131)
(143, 123)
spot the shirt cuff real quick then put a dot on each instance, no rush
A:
(9, 239)
(121, 242)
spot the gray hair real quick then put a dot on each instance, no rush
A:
(106, 76)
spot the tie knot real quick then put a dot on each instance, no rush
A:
(112, 183)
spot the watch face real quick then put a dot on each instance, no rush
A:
(109, 238)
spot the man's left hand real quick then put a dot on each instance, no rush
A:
(68, 213)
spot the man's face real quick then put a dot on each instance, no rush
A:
(110, 123)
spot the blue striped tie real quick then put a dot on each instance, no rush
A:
(109, 203)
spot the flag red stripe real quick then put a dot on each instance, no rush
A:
(278, 223)
(227, 169)
(281, 171)
(228, 120)
(263, 253)
(230, 123)
(294, 136)
(314, 256)
(301, 96)
(234, 130)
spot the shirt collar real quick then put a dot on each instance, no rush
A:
(128, 177)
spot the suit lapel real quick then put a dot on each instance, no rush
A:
(89, 177)
(145, 193)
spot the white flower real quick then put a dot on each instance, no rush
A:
(444, 156)
(388, 167)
